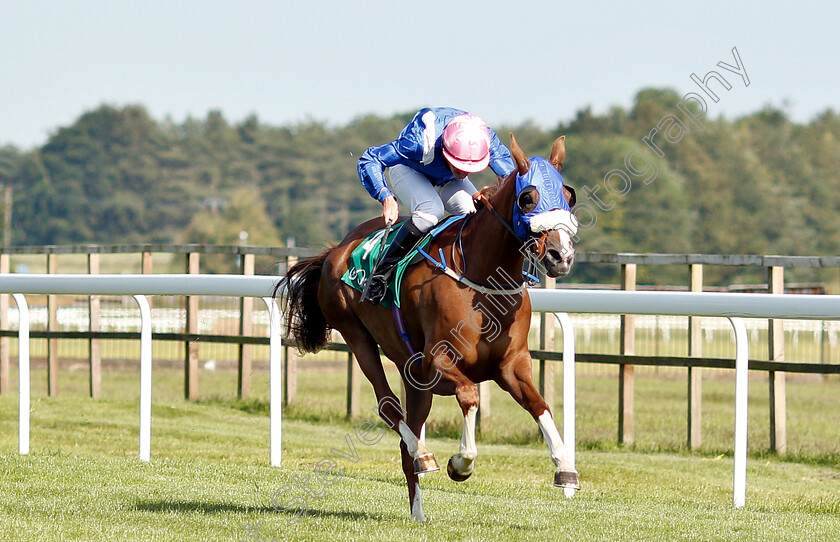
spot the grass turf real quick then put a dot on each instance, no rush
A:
(209, 477)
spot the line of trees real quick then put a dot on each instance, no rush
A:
(758, 184)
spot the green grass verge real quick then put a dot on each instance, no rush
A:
(209, 477)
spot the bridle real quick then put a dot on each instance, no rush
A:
(481, 198)
(487, 289)
(530, 266)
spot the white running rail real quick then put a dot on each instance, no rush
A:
(140, 286)
(730, 305)
(733, 306)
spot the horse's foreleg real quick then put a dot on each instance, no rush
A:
(516, 379)
(462, 464)
(422, 458)
(565, 476)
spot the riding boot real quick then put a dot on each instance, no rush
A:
(406, 237)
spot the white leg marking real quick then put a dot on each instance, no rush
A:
(422, 445)
(409, 438)
(417, 505)
(468, 447)
(463, 462)
(555, 443)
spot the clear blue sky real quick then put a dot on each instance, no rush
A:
(333, 61)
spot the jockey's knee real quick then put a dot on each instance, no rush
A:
(465, 206)
(425, 221)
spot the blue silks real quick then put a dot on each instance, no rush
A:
(419, 147)
(549, 183)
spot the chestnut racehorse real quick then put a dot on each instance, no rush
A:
(465, 331)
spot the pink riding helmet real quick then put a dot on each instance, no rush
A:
(466, 143)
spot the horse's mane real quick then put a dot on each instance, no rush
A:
(491, 189)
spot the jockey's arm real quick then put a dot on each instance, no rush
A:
(372, 166)
(501, 162)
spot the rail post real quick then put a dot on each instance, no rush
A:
(146, 263)
(5, 371)
(546, 384)
(275, 383)
(290, 361)
(695, 374)
(626, 376)
(776, 344)
(191, 347)
(145, 377)
(742, 354)
(52, 325)
(824, 346)
(23, 374)
(94, 346)
(484, 406)
(246, 328)
(569, 400)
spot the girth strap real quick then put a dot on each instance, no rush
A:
(401, 331)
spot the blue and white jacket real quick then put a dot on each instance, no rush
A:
(419, 147)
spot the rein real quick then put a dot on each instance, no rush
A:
(462, 278)
(530, 267)
(481, 198)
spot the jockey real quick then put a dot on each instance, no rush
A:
(428, 167)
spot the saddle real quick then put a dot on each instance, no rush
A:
(364, 257)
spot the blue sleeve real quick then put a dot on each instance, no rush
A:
(372, 166)
(501, 162)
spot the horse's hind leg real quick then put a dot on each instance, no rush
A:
(462, 464)
(515, 378)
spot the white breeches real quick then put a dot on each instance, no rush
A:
(428, 202)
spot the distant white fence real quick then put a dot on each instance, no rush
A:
(125, 318)
(733, 306)
(173, 320)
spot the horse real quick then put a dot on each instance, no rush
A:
(464, 331)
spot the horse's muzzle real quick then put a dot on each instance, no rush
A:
(558, 263)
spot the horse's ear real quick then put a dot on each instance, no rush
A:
(558, 152)
(522, 163)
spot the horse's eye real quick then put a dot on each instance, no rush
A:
(571, 196)
(528, 199)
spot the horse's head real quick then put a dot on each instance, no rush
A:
(542, 211)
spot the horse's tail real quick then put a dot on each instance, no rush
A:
(305, 322)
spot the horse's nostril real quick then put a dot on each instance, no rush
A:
(562, 255)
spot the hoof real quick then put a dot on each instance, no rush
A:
(567, 479)
(426, 463)
(455, 475)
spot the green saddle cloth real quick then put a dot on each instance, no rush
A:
(364, 257)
